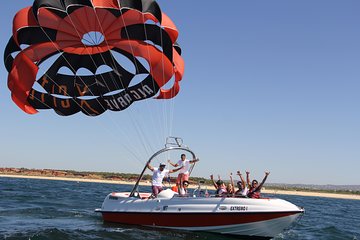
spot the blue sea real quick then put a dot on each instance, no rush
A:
(35, 209)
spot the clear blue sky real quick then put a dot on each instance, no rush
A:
(268, 85)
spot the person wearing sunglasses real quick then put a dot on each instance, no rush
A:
(255, 188)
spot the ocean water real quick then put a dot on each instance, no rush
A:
(34, 209)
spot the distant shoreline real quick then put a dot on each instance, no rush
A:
(267, 191)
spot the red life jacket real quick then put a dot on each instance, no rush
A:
(254, 193)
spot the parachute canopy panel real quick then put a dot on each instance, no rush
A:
(85, 35)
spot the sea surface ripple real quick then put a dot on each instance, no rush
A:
(33, 209)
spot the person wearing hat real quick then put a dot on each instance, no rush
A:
(219, 186)
(158, 176)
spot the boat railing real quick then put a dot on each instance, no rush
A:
(172, 143)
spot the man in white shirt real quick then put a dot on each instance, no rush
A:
(243, 187)
(184, 172)
(158, 176)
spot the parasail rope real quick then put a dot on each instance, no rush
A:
(146, 142)
(115, 123)
(136, 124)
(133, 121)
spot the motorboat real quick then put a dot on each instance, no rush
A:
(199, 211)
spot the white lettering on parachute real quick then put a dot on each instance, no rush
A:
(124, 101)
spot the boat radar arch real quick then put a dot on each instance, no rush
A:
(172, 143)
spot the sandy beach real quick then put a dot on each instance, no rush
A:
(268, 191)
(313, 194)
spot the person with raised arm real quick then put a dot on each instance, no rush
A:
(248, 179)
(243, 187)
(255, 189)
(219, 186)
(230, 187)
(158, 176)
(185, 171)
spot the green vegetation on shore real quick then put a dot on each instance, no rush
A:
(129, 177)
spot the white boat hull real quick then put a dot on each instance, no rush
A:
(238, 216)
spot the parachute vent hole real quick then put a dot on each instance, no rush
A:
(137, 79)
(87, 97)
(24, 46)
(62, 97)
(39, 88)
(169, 84)
(84, 72)
(14, 54)
(92, 38)
(112, 93)
(65, 71)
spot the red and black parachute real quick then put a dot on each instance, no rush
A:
(133, 28)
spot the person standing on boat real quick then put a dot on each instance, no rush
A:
(158, 176)
(255, 188)
(185, 171)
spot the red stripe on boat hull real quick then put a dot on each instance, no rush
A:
(190, 219)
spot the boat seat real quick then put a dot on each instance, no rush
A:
(167, 193)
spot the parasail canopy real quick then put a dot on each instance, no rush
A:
(88, 34)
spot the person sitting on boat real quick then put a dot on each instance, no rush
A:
(219, 186)
(158, 176)
(230, 190)
(243, 187)
(255, 189)
(230, 187)
(185, 171)
(184, 189)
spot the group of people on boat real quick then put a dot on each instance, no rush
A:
(250, 189)
(245, 189)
